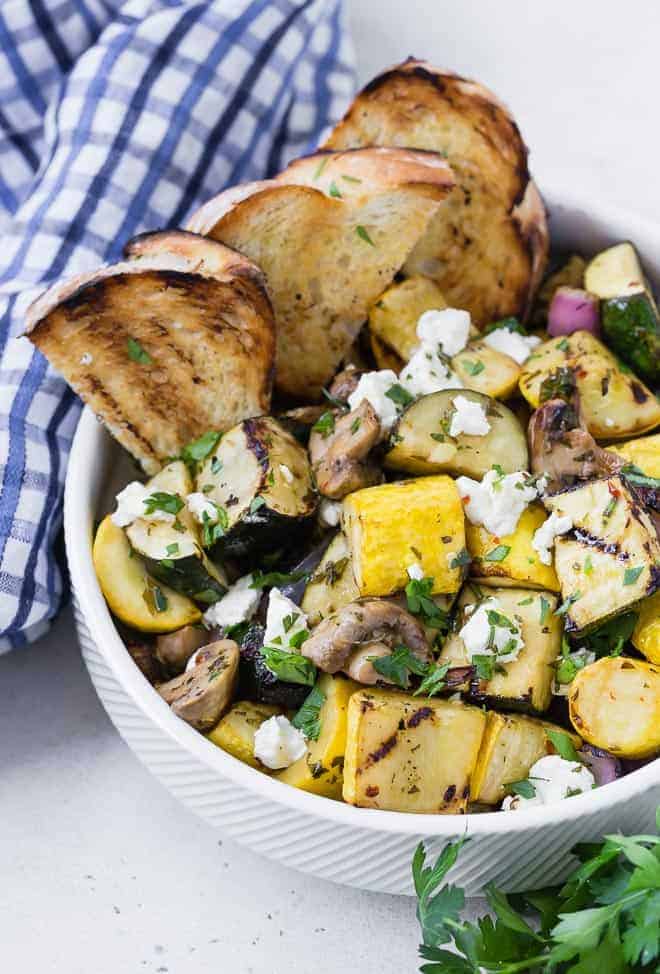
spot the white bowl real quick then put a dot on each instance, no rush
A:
(361, 847)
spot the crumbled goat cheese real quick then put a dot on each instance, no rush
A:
(426, 372)
(469, 417)
(517, 347)
(415, 571)
(544, 537)
(277, 743)
(580, 658)
(498, 500)
(286, 473)
(329, 513)
(284, 620)
(484, 637)
(238, 604)
(373, 387)
(449, 329)
(199, 505)
(553, 778)
(130, 506)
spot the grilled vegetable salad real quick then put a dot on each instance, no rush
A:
(433, 587)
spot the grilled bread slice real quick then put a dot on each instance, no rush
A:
(174, 341)
(487, 245)
(330, 233)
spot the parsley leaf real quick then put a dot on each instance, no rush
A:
(399, 395)
(563, 745)
(136, 353)
(461, 559)
(363, 235)
(162, 501)
(631, 575)
(334, 191)
(498, 554)
(434, 681)
(277, 579)
(290, 667)
(473, 368)
(308, 718)
(524, 788)
(420, 603)
(200, 448)
(325, 424)
(398, 665)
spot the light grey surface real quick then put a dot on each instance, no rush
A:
(101, 872)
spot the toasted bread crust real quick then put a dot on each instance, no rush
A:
(487, 246)
(328, 252)
(201, 316)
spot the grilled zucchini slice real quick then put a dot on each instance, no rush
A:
(643, 452)
(520, 565)
(260, 477)
(393, 318)
(609, 561)
(629, 313)
(646, 635)
(421, 443)
(235, 731)
(486, 370)
(131, 594)
(511, 744)
(614, 704)
(321, 770)
(173, 553)
(332, 585)
(410, 755)
(615, 404)
(392, 526)
(526, 683)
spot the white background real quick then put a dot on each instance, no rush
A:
(101, 872)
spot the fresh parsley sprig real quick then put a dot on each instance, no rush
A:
(605, 918)
(420, 603)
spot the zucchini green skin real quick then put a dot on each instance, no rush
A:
(190, 575)
(632, 329)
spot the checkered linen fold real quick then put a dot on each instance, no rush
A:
(118, 117)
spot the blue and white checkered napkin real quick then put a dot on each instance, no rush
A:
(118, 117)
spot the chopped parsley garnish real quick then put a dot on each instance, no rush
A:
(325, 424)
(527, 601)
(420, 603)
(350, 179)
(308, 718)
(473, 368)
(460, 559)
(567, 603)
(524, 788)
(563, 345)
(637, 476)
(161, 501)
(399, 395)
(277, 579)
(509, 324)
(173, 549)
(200, 449)
(610, 508)
(136, 353)
(434, 681)
(334, 190)
(319, 169)
(588, 565)
(355, 425)
(213, 529)
(398, 665)
(299, 638)
(498, 554)
(256, 503)
(484, 666)
(363, 235)
(545, 608)
(216, 465)
(290, 667)
(563, 745)
(290, 620)
(631, 575)
(610, 638)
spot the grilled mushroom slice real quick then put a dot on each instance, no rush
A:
(201, 695)
(374, 624)
(345, 383)
(174, 649)
(340, 456)
(564, 450)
